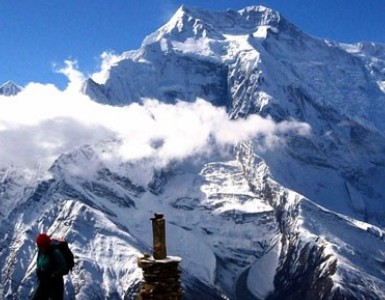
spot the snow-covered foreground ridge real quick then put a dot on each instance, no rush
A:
(281, 213)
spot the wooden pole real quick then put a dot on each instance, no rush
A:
(159, 236)
(161, 274)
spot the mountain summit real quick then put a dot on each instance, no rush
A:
(297, 216)
(194, 40)
(197, 23)
(254, 50)
(9, 88)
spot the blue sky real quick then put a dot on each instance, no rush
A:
(38, 36)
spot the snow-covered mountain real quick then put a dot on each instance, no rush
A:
(9, 88)
(254, 61)
(304, 220)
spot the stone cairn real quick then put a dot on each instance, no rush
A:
(161, 273)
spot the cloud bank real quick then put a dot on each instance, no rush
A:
(42, 122)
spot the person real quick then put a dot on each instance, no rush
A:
(50, 267)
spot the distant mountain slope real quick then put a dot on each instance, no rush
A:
(9, 88)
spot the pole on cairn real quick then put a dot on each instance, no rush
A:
(161, 274)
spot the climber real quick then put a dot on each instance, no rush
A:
(51, 266)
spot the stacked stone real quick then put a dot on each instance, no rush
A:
(161, 278)
(161, 273)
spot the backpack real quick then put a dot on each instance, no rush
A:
(62, 246)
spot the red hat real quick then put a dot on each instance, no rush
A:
(43, 241)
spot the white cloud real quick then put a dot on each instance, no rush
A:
(75, 77)
(42, 122)
(108, 60)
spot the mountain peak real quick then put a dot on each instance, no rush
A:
(10, 88)
(252, 15)
(188, 22)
